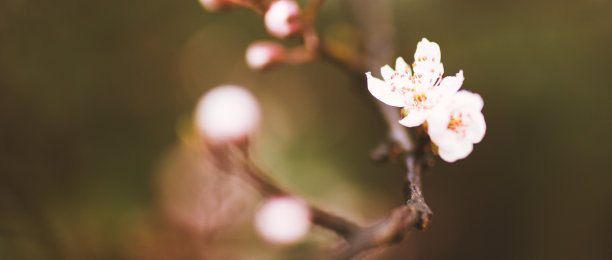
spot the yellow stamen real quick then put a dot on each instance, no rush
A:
(454, 123)
(420, 97)
(404, 112)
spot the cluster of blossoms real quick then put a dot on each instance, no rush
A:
(282, 20)
(453, 117)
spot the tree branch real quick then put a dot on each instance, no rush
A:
(417, 158)
(251, 173)
(414, 214)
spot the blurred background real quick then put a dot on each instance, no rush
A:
(97, 159)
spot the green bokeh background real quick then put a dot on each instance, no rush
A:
(94, 94)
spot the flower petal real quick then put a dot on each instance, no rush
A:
(456, 151)
(428, 50)
(476, 127)
(383, 92)
(414, 118)
(427, 67)
(402, 66)
(386, 72)
(437, 123)
(468, 100)
(452, 84)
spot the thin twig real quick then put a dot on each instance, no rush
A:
(311, 11)
(309, 33)
(267, 187)
(335, 52)
(388, 231)
(342, 56)
(259, 7)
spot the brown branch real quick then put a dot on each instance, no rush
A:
(309, 33)
(376, 24)
(337, 224)
(258, 6)
(268, 188)
(252, 174)
(310, 12)
(417, 163)
(414, 214)
(344, 57)
(335, 52)
(388, 231)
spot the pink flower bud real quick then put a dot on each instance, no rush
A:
(283, 18)
(227, 113)
(215, 5)
(283, 220)
(263, 53)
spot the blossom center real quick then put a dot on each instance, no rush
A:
(420, 98)
(456, 123)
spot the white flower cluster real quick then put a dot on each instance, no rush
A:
(454, 118)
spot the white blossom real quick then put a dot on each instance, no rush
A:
(456, 124)
(417, 90)
(227, 113)
(283, 18)
(283, 220)
(263, 53)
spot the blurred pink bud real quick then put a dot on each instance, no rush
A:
(215, 5)
(283, 18)
(263, 53)
(283, 220)
(227, 113)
